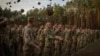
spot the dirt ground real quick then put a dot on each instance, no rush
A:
(92, 50)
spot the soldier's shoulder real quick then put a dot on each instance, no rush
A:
(44, 31)
(12, 29)
(26, 29)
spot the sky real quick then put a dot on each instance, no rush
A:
(28, 4)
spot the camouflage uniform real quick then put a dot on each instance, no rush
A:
(78, 39)
(99, 34)
(74, 42)
(58, 43)
(39, 34)
(13, 41)
(67, 43)
(20, 41)
(28, 38)
(91, 36)
(48, 46)
(96, 35)
(41, 41)
(83, 38)
(88, 37)
(35, 29)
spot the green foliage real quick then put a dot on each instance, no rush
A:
(66, 11)
(96, 3)
(58, 10)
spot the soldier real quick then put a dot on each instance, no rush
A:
(55, 26)
(78, 39)
(91, 36)
(36, 32)
(99, 33)
(40, 38)
(49, 40)
(74, 34)
(88, 37)
(28, 38)
(13, 40)
(83, 37)
(20, 40)
(67, 42)
(4, 37)
(58, 44)
(96, 35)
(39, 32)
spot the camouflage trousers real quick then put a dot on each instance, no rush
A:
(48, 50)
(74, 44)
(58, 48)
(79, 42)
(28, 50)
(67, 48)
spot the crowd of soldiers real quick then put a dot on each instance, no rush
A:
(47, 40)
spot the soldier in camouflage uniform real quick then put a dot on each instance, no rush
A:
(78, 39)
(39, 32)
(28, 38)
(58, 44)
(20, 40)
(83, 38)
(13, 40)
(49, 40)
(67, 42)
(96, 35)
(55, 26)
(91, 36)
(74, 34)
(35, 32)
(88, 36)
(41, 39)
(4, 37)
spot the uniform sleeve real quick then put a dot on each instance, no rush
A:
(28, 37)
(50, 34)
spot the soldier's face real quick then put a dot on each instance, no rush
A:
(60, 26)
(32, 23)
(55, 26)
(48, 25)
(20, 26)
(15, 26)
(41, 26)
